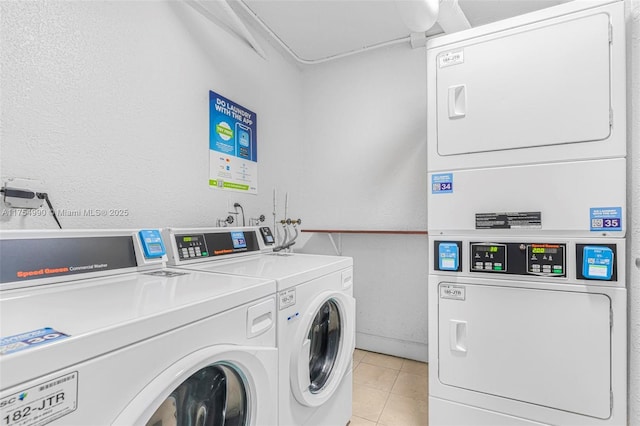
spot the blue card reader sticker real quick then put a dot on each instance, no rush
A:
(597, 263)
(605, 218)
(152, 243)
(442, 183)
(29, 339)
(448, 256)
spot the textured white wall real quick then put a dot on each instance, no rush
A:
(390, 275)
(633, 116)
(365, 163)
(365, 141)
(107, 102)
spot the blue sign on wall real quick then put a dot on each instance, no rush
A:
(233, 146)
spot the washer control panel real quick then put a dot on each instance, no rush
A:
(488, 257)
(546, 259)
(578, 260)
(519, 258)
(191, 246)
(222, 242)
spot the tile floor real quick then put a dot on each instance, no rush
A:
(388, 391)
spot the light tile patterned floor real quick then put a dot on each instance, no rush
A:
(389, 391)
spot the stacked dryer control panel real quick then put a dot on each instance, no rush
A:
(527, 220)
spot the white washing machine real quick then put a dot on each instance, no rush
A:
(315, 319)
(95, 331)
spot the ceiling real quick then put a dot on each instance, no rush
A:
(314, 30)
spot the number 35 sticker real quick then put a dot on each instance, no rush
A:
(29, 339)
(606, 219)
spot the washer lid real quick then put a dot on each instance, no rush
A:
(103, 314)
(288, 269)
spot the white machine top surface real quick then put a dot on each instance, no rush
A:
(288, 269)
(103, 314)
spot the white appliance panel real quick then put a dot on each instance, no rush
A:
(563, 193)
(449, 413)
(112, 312)
(540, 88)
(287, 269)
(116, 379)
(556, 74)
(497, 341)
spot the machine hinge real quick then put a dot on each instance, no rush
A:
(610, 318)
(610, 33)
(611, 400)
(610, 117)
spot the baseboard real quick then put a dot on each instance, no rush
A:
(395, 347)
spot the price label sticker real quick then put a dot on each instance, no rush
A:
(29, 339)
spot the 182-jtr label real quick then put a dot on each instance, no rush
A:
(286, 298)
(42, 403)
(455, 292)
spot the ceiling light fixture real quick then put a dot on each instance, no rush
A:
(418, 15)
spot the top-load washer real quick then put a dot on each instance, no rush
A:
(96, 331)
(315, 318)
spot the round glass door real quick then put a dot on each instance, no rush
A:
(324, 336)
(213, 396)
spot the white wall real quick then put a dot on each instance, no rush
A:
(107, 102)
(365, 168)
(390, 288)
(365, 141)
(633, 117)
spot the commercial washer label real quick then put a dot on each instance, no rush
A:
(286, 298)
(41, 404)
(455, 292)
(29, 339)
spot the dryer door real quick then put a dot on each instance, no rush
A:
(543, 347)
(214, 386)
(324, 348)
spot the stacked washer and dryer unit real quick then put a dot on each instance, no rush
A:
(315, 314)
(95, 331)
(527, 220)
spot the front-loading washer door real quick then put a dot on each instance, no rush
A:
(323, 348)
(221, 385)
(214, 395)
